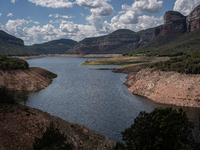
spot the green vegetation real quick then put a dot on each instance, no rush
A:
(6, 96)
(54, 47)
(125, 61)
(170, 45)
(52, 139)
(13, 46)
(161, 129)
(7, 63)
(189, 64)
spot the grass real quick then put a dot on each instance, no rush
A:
(125, 61)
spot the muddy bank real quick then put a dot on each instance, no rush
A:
(32, 79)
(19, 125)
(164, 87)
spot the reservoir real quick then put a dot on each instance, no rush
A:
(97, 99)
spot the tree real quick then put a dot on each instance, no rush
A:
(161, 129)
(52, 139)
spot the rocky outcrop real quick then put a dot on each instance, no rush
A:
(32, 79)
(166, 87)
(175, 24)
(193, 19)
(19, 125)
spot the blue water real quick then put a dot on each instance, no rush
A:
(98, 99)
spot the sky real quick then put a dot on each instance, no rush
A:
(39, 21)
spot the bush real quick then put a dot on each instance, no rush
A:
(162, 129)
(5, 96)
(52, 139)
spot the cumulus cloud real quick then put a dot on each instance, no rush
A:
(0, 14)
(150, 6)
(105, 10)
(13, 1)
(60, 16)
(68, 27)
(90, 3)
(96, 21)
(129, 17)
(10, 15)
(53, 3)
(185, 7)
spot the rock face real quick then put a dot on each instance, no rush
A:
(175, 24)
(32, 79)
(193, 19)
(110, 43)
(19, 125)
(166, 87)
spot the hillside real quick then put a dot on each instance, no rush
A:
(13, 46)
(118, 42)
(177, 36)
(53, 47)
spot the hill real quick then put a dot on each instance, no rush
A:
(13, 46)
(54, 47)
(118, 42)
(177, 36)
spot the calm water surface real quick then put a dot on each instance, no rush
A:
(98, 99)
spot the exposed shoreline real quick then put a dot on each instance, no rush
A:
(163, 87)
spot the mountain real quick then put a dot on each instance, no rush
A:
(119, 41)
(13, 46)
(178, 35)
(53, 47)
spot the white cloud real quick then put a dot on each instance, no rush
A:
(185, 6)
(90, 3)
(105, 10)
(96, 21)
(53, 3)
(150, 6)
(60, 16)
(10, 15)
(68, 27)
(0, 14)
(13, 1)
(129, 17)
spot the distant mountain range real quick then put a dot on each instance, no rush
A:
(178, 35)
(54, 47)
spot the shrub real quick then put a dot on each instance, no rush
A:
(52, 139)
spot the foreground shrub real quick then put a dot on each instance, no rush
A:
(52, 139)
(162, 129)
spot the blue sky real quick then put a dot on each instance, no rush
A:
(38, 21)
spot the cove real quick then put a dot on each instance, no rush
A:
(97, 99)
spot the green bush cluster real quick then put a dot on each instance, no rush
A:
(189, 64)
(7, 63)
(52, 139)
(161, 129)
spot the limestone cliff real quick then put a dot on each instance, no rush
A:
(19, 125)
(32, 79)
(166, 87)
(175, 24)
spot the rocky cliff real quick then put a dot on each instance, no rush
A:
(175, 24)
(166, 87)
(32, 79)
(113, 42)
(19, 125)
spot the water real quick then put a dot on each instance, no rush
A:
(98, 99)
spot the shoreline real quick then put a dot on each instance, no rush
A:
(67, 55)
(170, 88)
